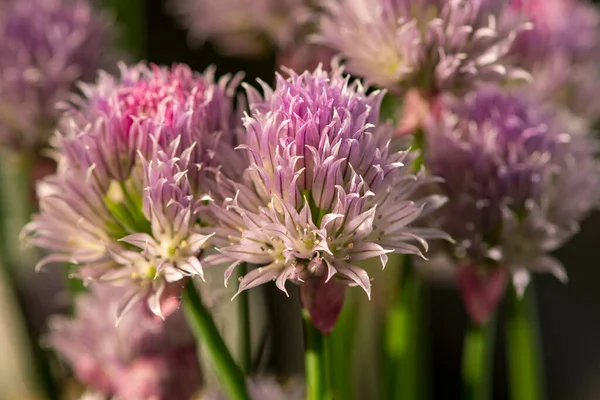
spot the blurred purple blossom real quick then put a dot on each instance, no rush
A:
(141, 358)
(518, 185)
(47, 46)
(322, 191)
(433, 45)
(562, 54)
(552, 32)
(124, 205)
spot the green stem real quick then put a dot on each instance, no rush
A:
(477, 362)
(16, 175)
(245, 335)
(340, 345)
(315, 359)
(130, 16)
(229, 374)
(419, 145)
(523, 343)
(15, 210)
(391, 108)
(402, 338)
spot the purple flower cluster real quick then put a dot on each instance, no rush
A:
(323, 191)
(47, 46)
(141, 358)
(433, 45)
(125, 203)
(517, 183)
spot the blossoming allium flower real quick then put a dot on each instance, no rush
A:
(124, 204)
(517, 185)
(141, 358)
(562, 54)
(47, 46)
(433, 45)
(322, 192)
(244, 27)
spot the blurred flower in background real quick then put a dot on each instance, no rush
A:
(47, 46)
(432, 45)
(141, 358)
(562, 51)
(124, 206)
(518, 185)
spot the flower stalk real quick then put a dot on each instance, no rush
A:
(315, 359)
(523, 345)
(478, 361)
(341, 347)
(16, 173)
(402, 337)
(15, 210)
(206, 332)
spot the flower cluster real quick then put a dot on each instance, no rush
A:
(141, 358)
(562, 60)
(46, 47)
(433, 45)
(125, 203)
(517, 184)
(323, 191)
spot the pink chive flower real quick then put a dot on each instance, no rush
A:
(124, 206)
(47, 46)
(142, 358)
(562, 54)
(517, 186)
(323, 191)
(432, 45)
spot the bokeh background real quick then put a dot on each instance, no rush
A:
(569, 314)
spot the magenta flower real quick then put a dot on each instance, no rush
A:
(517, 185)
(47, 46)
(322, 192)
(139, 359)
(124, 206)
(432, 45)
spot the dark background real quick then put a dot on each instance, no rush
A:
(569, 314)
